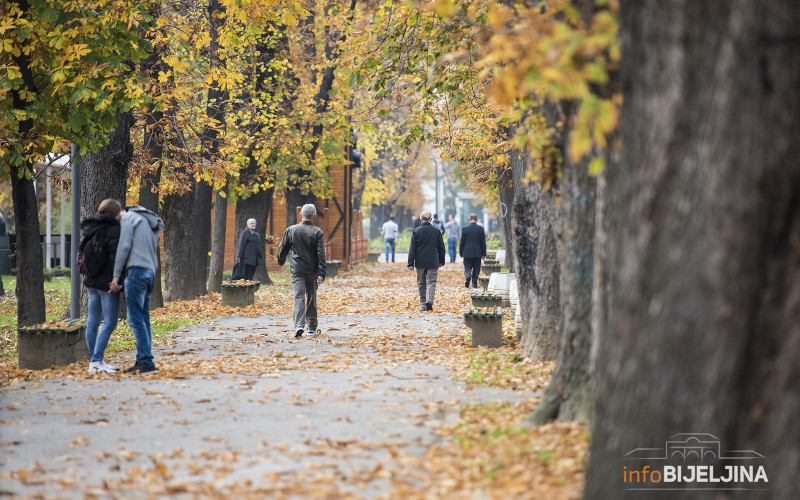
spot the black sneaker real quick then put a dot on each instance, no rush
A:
(141, 368)
(466, 283)
(298, 332)
(429, 306)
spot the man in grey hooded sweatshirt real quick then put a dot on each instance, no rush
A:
(137, 260)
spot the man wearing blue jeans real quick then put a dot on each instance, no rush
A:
(389, 231)
(453, 232)
(137, 256)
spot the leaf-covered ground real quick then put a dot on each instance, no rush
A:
(387, 403)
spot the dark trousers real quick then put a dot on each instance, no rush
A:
(304, 310)
(472, 269)
(249, 271)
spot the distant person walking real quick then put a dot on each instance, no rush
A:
(453, 229)
(137, 260)
(304, 244)
(415, 221)
(99, 249)
(251, 249)
(438, 224)
(426, 255)
(473, 250)
(389, 231)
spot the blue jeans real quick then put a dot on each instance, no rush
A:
(452, 242)
(138, 287)
(389, 246)
(105, 305)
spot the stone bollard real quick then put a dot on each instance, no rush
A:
(54, 343)
(239, 294)
(373, 256)
(483, 299)
(486, 325)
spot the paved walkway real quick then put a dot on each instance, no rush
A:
(239, 407)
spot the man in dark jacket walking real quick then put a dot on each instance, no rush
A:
(304, 244)
(473, 250)
(426, 254)
(251, 249)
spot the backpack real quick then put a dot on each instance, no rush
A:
(92, 256)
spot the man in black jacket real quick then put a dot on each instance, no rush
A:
(473, 250)
(426, 254)
(305, 246)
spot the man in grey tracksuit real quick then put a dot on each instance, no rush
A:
(137, 260)
(304, 244)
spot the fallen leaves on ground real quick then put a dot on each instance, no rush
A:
(485, 453)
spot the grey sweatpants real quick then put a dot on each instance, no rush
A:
(304, 289)
(426, 281)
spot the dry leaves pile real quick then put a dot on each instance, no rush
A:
(483, 454)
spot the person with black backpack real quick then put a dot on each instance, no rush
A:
(96, 256)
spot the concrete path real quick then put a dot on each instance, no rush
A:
(240, 407)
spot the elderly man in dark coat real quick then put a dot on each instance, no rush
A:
(426, 254)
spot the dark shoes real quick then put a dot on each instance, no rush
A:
(466, 283)
(141, 368)
(429, 306)
(298, 332)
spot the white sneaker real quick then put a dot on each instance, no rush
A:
(311, 333)
(100, 367)
(109, 365)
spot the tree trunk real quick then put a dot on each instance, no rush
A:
(149, 191)
(215, 110)
(218, 242)
(702, 327)
(180, 243)
(569, 395)
(202, 217)
(537, 228)
(105, 175)
(30, 279)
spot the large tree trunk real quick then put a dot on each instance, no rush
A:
(30, 279)
(218, 236)
(702, 327)
(149, 192)
(569, 395)
(215, 110)
(105, 175)
(537, 229)
(180, 242)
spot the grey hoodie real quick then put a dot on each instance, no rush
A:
(138, 240)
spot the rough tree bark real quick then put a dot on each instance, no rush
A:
(105, 175)
(30, 279)
(569, 395)
(537, 228)
(702, 327)
(218, 235)
(149, 192)
(215, 109)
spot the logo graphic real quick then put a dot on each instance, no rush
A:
(694, 461)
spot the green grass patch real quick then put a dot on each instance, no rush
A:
(122, 338)
(494, 367)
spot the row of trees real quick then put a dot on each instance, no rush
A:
(655, 259)
(655, 241)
